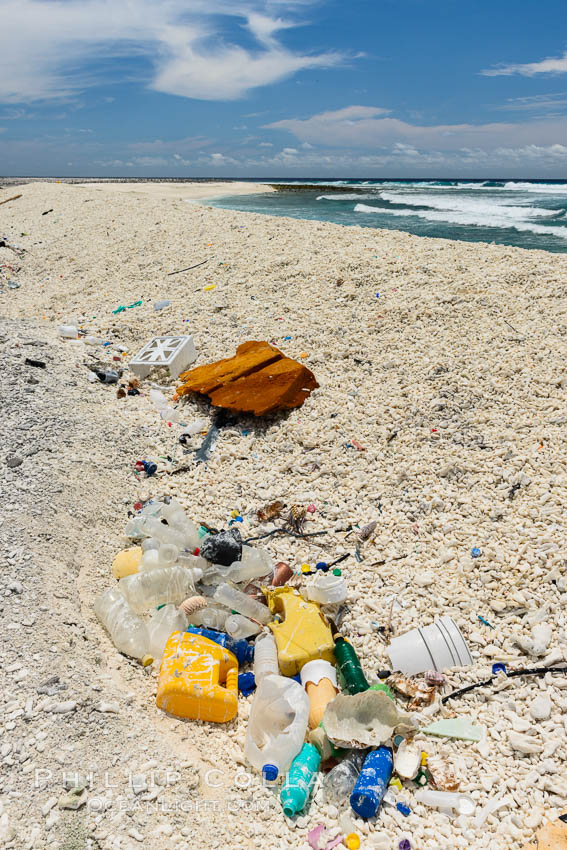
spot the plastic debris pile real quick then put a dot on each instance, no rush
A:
(217, 606)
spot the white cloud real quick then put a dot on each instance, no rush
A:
(557, 65)
(535, 102)
(45, 43)
(364, 127)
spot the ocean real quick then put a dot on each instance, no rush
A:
(526, 213)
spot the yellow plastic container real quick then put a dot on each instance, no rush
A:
(127, 562)
(192, 670)
(304, 634)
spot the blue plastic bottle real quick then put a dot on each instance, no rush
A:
(243, 650)
(372, 782)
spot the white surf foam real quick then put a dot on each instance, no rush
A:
(469, 217)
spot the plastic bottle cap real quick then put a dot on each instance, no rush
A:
(337, 572)
(352, 841)
(476, 553)
(498, 668)
(305, 568)
(234, 514)
(270, 772)
(321, 565)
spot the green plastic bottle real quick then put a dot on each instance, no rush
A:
(349, 666)
(300, 780)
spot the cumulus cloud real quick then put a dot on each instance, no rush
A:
(50, 48)
(370, 127)
(552, 65)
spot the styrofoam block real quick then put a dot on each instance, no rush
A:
(175, 352)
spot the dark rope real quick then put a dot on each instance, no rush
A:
(528, 671)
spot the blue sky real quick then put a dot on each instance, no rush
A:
(301, 88)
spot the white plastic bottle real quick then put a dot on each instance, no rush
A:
(277, 723)
(238, 601)
(161, 625)
(150, 588)
(238, 626)
(129, 634)
(265, 656)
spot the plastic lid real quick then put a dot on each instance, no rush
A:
(321, 565)
(270, 772)
(337, 572)
(316, 670)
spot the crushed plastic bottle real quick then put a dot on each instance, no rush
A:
(242, 603)
(163, 622)
(255, 563)
(129, 634)
(107, 376)
(339, 782)
(150, 588)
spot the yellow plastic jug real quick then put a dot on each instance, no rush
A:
(126, 563)
(304, 634)
(190, 677)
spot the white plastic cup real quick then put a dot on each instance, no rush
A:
(439, 646)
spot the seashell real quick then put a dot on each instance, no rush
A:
(193, 604)
(442, 774)
(407, 760)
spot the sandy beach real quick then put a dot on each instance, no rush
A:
(443, 361)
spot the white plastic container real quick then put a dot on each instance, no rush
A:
(446, 801)
(238, 626)
(277, 723)
(265, 656)
(238, 601)
(161, 625)
(129, 634)
(327, 589)
(439, 646)
(68, 331)
(175, 352)
(150, 588)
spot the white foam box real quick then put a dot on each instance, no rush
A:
(175, 352)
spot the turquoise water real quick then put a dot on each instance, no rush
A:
(525, 213)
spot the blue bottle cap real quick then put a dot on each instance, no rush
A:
(498, 668)
(476, 553)
(270, 772)
(403, 809)
(321, 565)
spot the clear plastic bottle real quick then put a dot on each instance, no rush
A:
(211, 618)
(339, 782)
(277, 723)
(238, 601)
(255, 563)
(238, 626)
(93, 340)
(265, 656)
(166, 555)
(152, 527)
(151, 588)
(129, 634)
(161, 625)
